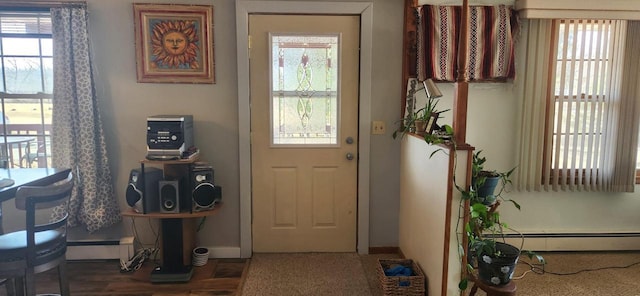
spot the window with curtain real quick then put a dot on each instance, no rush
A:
(26, 87)
(584, 136)
(583, 69)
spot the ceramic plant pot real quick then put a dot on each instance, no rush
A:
(200, 256)
(498, 270)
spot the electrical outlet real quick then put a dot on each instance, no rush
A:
(378, 128)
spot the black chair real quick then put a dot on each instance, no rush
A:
(32, 155)
(8, 283)
(42, 245)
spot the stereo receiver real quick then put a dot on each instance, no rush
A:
(169, 136)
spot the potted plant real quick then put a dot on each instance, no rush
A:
(494, 259)
(422, 121)
(484, 182)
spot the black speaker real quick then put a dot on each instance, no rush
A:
(135, 188)
(204, 193)
(169, 196)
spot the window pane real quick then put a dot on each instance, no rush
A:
(20, 46)
(578, 156)
(2, 84)
(586, 48)
(28, 79)
(47, 47)
(25, 23)
(47, 68)
(581, 69)
(22, 75)
(304, 89)
(27, 111)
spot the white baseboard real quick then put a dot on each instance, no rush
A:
(578, 242)
(224, 252)
(125, 251)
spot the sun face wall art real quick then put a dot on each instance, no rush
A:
(174, 43)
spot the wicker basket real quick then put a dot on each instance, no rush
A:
(401, 285)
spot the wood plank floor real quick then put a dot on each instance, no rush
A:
(217, 277)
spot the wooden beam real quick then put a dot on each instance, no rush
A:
(461, 95)
(409, 54)
(462, 86)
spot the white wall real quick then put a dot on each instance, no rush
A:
(423, 208)
(426, 209)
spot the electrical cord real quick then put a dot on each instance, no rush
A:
(539, 268)
(143, 254)
(137, 260)
(136, 237)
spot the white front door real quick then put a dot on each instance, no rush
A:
(304, 132)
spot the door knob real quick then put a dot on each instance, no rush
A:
(349, 156)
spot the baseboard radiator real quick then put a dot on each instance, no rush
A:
(623, 241)
(124, 250)
(101, 249)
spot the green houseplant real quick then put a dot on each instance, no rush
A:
(429, 114)
(494, 259)
(484, 181)
(418, 121)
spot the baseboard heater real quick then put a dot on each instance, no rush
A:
(100, 249)
(598, 241)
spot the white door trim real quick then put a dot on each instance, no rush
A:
(365, 10)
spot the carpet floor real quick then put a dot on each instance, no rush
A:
(582, 273)
(306, 274)
(319, 274)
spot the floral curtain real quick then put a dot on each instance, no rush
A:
(490, 56)
(78, 138)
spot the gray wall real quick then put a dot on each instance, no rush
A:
(125, 104)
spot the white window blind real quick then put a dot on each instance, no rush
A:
(581, 102)
(582, 129)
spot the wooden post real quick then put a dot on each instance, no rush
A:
(460, 119)
(462, 87)
(409, 50)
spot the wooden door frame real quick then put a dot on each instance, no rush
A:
(365, 10)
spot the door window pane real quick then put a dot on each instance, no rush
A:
(304, 89)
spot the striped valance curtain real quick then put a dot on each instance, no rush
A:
(490, 56)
